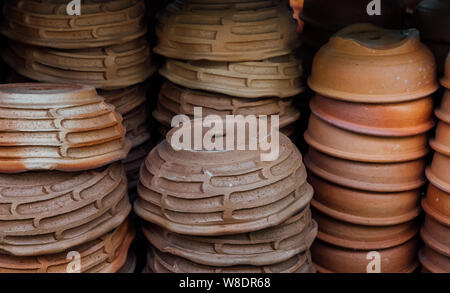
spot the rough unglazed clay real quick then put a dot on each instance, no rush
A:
(438, 173)
(47, 24)
(209, 193)
(232, 31)
(387, 119)
(174, 100)
(445, 81)
(431, 18)
(332, 259)
(126, 99)
(378, 177)
(436, 235)
(106, 254)
(433, 261)
(49, 212)
(112, 67)
(351, 145)
(363, 63)
(136, 124)
(437, 204)
(364, 207)
(443, 113)
(134, 161)
(260, 248)
(273, 77)
(441, 142)
(159, 262)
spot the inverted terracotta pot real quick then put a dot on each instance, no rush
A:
(431, 18)
(277, 76)
(438, 173)
(441, 142)
(377, 177)
(57, 127)
(350, 145)
(434, 262)
(47, 24)
(436, 235)
(445, 81)
(159, 262)
(133, 161)
(443, 113)
(126, 99)
(106, 254)
(136, 124)
(332, 259)
(363, 63)
(364, 207)
(393, 119)
(112, 67)
(233, 31)
(437, 204)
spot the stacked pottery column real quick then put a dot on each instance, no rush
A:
(368, 142)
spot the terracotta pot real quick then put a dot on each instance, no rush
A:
(436, 235)
(351, 145)
(437, 204)
(126, 99)
(133, 162)
(159, 262)
(136, 124)
(277, 76)
(332, 259)
(443, 113)
(47, 24)
(393, 119)
(57, 127)
(112, 67)
(363, 63)
(364, 207)
(209, 193)
(361, 237)
(377, 177)
(106, 254)
(130, 265)
(445, 81)
(441, 143)
(431, 18)
(260, 248)
(438, 172)
(297, 6)
(234, 31)
(433, 261)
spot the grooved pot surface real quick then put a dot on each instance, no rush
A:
(441, 142)
(437, 204)
(438, 173)
(443, 113)
(436, 235)
(133, 161)
(136, 124)
(126, 99)
(433, 261)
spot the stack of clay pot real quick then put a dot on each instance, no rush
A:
(63, 196)
(431, 17)
(225, 211)
(368, 141)
(104, 47)
(435, 256)
(230, 58)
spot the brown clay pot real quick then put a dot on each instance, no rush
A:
(126, 99)
(350, 145)
(445, 81)
(332, 259)
(57, 127)
(434, 262)
(441, 143)
(234, 31)
(438, 172)
(136, 124)
(393, 119)
(377, 177)
(363, 63)
(431, 18)
(361, 237)
(364, 207)
(443, 113)
(133, 162)
(130, 265)
(47, 24)
(436, 235)
(437, 204)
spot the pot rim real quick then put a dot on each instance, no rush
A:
(425, 261)
(436, 181)
(433, 243)
(441, 218)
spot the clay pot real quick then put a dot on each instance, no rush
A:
(297, 6)
(277, 76)
(332, 259)
(133, 162)
(112, 67)
(436, 235)
(350, 145)
(441, 143)
(126, 99)
(57, 127)
(445, 81)
(377, 177)
(130, 265)
(437, 204)
(438, 172)
(443, 113)
(394, 119)
(56, 211)
(363, 63)
(159, 262)
(136, 124)
(364, 207)
(233, 31)
(106, 254)
(434, 262)
(209, 193)
(431, 18)
(100, 24)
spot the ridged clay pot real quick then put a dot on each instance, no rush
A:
(377, 177)
(136, 123)
(133, 162)
(363, 63)
(445, 81)
(441, 142)
(434, 262)
(350, 145)
(126, 99)
(437, 204)
(387, 119)
(431, 18)
(438, 173)
(50, 212)
(233, 31)
(443, 113)
(57, 127)
(47, 24)
(364, 207)
(436, 235)
(332, 259)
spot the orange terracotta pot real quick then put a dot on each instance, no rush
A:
(351, 145)
(393, 119)
(441, 143)
(364, 207)
(434, 262)
(363, 63)
(395, 177)
(445, 81)
(436, 235)
(332, 259)
(437, 204)
(438, 173)
(443, 113)
(431, 18)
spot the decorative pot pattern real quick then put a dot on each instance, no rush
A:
(126, 99)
